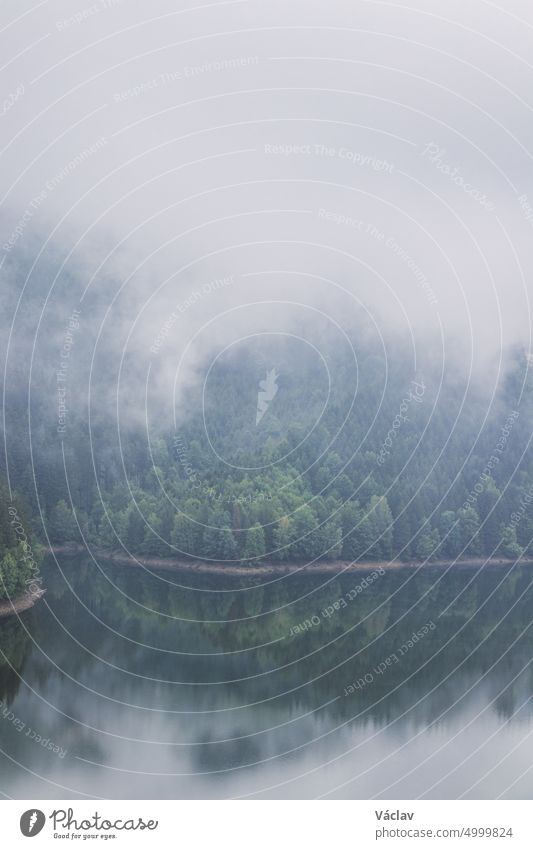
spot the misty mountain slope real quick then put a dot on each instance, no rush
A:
(354, 455)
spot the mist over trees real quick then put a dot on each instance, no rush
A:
(380, 462)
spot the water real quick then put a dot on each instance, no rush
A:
(126, 684)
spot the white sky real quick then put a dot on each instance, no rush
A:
(187, 186)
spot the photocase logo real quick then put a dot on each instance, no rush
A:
(268, 389)
(32, 822)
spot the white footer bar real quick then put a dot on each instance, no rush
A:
(268, 824)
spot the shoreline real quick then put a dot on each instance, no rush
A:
(269, 568)
(9, 607)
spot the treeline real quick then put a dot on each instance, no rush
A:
(383, 463)
(318, 529)
(356, 455)
(439, 473)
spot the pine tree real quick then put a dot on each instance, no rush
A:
(450, 533)
(304, 545)
(427, 543)
(184, 536)
(356, 532)
(282, 538)
(254, 546)
(469, 529)
(509, 544)
(380, 518)
(401, 536)
(63, 526)
(10, 583)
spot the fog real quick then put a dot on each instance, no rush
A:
(265, 284)
(187, 177)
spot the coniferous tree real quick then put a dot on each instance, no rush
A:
(254, 547)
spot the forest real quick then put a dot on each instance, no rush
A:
(384, 462)
(19, 555)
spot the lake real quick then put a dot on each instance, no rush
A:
(126, 683)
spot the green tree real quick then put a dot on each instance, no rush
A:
(490, 514)
(254, 546)
(303, 546)
(509, 544)
(62, 526)
(356, 532)
(135, 527)
(282, 538)
(450, 533)
(380, 518)
(185, 536)
(218, 540)
(401, 536)
(328, 541)
(10, 583)
(427, 543)
(469, 530)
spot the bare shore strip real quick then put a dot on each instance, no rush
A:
(21, 603)
(266, 568)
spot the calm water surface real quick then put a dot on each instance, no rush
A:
(172, 685)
